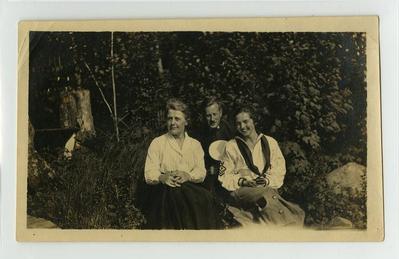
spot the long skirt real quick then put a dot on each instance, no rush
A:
(264, 205)
(187, 207)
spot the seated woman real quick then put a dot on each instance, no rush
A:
(175, 167)
(253, 168)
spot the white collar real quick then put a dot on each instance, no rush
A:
(260, 135)
(173, 143)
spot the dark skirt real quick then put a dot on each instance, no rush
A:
(265, 205)
(187, 207)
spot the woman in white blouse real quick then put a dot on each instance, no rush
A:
(253, 168)
(174, 166)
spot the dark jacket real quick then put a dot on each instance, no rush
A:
(206, 136)
(209, 135)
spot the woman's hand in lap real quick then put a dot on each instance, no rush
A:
(169, 180)
(181, 176)
(248, 183)
(261, 181)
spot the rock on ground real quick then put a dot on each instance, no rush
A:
(340, 223)
(34, 222)
(351, 175)
(338, 200)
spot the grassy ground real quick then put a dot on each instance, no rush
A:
(95, 189)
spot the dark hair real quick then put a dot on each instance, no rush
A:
(178, 105)
(211, 101)
(247, 109)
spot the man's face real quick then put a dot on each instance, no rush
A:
(244, 124)
(176, 122)
(213, 115)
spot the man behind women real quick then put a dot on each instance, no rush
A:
(174, 167)
(216, 128)
(254, 168)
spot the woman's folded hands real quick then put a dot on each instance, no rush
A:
(174, 178)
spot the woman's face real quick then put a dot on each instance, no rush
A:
(176, 122)
(244, 124)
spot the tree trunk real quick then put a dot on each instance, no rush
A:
(68, 110)
(75, 112)
(31, 132)
(159, 63)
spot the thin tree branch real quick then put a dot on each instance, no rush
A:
(113, 87)
(99, 88)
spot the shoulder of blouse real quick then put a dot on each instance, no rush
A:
(194, 142)
(158, 140)
(270, 139)
(273, 143)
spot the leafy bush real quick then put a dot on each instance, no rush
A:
(300, 172)
(308, 90)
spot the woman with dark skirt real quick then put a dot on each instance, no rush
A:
(175, 168)
(253, 168)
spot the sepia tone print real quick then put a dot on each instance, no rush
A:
(199, 126)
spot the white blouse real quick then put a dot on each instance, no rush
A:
(165, 155)
(233, 162)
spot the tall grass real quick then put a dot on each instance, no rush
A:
(96, 188)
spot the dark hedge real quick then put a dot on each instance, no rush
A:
(308, 89)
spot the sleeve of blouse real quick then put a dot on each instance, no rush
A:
(277, 171)
(228, 176)
(152, 168)
(199, 172)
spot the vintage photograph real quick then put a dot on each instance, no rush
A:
(200, 128)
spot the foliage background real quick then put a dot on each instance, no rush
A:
(308, 90)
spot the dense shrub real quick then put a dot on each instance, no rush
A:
(308, 90)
